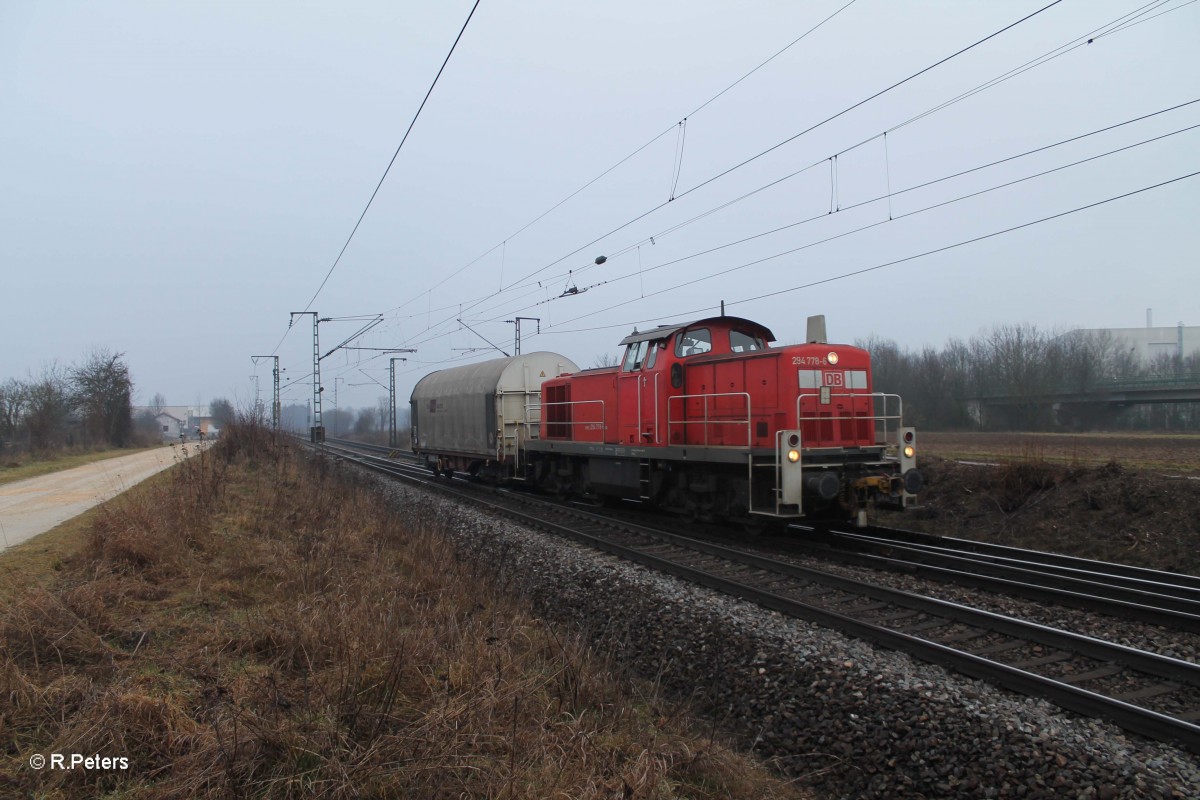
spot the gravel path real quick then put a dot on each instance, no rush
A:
(35, 505)
(845, 718)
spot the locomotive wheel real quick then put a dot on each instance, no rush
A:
(756, 528)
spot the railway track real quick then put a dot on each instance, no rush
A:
(400, 452)
(1168, 599)
(1154, 695)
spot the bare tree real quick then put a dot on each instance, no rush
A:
(606, 360)
(338, 420)
(222, 412)
(385, 413)
(14, 396)
(102, 391)
(48, 409)
(364, 422)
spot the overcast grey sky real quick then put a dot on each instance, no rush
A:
(178, 177)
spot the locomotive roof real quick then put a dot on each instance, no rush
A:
(665, 331)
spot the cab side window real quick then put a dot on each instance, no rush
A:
(692, 343)
(634, 357)
(650, 359)
(740, 342)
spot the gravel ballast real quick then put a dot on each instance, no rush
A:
(842, 716)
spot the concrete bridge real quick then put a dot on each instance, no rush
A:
(1099, 405)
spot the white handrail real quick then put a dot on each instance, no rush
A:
(602, 422)
(706, 421)
(874, 418)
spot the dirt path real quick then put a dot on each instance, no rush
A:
(35, 505)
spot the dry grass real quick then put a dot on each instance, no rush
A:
(252, 626)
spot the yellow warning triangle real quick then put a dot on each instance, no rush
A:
(543, 374)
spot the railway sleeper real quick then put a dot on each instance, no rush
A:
(1148, 692)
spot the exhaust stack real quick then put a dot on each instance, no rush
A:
(816, 329)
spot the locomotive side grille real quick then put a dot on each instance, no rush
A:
(558, 412)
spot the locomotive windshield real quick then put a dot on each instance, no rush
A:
(692, 343)
(634, 356)
(741, 342)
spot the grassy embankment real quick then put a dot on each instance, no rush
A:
(247, 624)
(25, 466)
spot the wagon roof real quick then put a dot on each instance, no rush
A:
(665, 331)
(498, 374)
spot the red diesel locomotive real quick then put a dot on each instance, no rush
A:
(704, 419)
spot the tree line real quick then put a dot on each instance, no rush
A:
(369, 423)
(80, 405)
(948, 388)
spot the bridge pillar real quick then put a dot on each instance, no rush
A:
(1087, 416)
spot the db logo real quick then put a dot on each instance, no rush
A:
(837, 379)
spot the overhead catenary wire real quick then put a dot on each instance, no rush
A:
(889, 195)
(383, 177)
(924, 184)
(842, 276)
(630, 155)
(853, 273)
(677, 285)
(1113, 26)
(387, 169)
(1121, 23)
(523, 280)
(1111, 30)
(793, 137)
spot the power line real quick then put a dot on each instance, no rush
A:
(394, 155)
(522, 281)
(662, 234)
(886, 196)
(865, 270)
(869, 99)
(622, 161)
(851, 232)
(969, 241)
(1119, 24)
(791, 139)
(572, 194)
(690, 314)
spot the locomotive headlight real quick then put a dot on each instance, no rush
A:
(793, 456)
(909, 451)
(832, 358)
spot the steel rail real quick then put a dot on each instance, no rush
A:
(1164, 586)
(1088, 595)
(1040, 556)
(374, 448)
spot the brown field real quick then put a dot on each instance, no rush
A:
(1131, 498)
(1172, 452)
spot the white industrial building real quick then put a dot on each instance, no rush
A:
(1151, 343)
